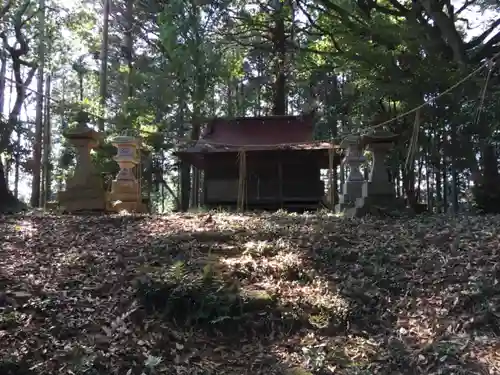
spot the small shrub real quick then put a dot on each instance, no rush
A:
(487, 198)
(8, 367)
(199, 299)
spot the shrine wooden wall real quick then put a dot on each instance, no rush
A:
(275, 180)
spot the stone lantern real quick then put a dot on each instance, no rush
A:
(125, 189)
(379, 144)
(84, 190)
(378, 191)
(353, 185)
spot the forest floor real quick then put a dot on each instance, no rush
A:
(249, 294)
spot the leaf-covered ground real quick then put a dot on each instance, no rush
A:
(249, 294)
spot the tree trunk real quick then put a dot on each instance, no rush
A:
(18, 165)
(455, 182)
(5, 195)
(279, 46)
(195, 191)
(103, 74)
(332, 96)
(47, 146)
(230, 98)
(449, 32)
(37, 151)
(444, 184)
(419, 179)
(184, 169)
(128, 50)
(7, 128)
(198, 95)
(409, 184)
(3, 74)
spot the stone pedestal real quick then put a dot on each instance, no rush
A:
(84, 190)
(125, 192)
(352, 188)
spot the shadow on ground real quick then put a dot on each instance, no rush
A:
(410, 296)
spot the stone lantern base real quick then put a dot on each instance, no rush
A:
(125, 196)
(90, 197)
(378, 195)
(352, 188)
(376, 201)
(351, 191)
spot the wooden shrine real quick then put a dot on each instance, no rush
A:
(261, 163)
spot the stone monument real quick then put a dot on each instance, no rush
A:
(125, 192)
(84, 190)
(353, 185)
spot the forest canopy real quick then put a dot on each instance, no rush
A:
(161, 70)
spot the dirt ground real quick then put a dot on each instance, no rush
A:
(249, 294)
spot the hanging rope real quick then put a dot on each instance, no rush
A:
(488, 63)
(242, 181)
(413, 146)
(483, 94)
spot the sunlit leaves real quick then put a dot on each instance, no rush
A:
(235, 64)
(192, 51)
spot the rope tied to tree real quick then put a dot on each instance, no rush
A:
(413, 146)
(491, 65)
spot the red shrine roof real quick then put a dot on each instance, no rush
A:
(270, 133)
(259, 130)
(257, 134)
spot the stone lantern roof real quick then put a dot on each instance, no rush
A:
(82, 131)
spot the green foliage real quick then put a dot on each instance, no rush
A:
(194, 60)
(103, 159)
(199, 299)
(67, 156)
(10, 367)
(487, 197)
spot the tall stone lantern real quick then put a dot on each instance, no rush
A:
(125, 189)
(84, 190)
(353, 185)
(379, 144)
(378, 191)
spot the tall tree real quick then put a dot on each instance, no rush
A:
(37, 152)
(19, 55)
(103, 77)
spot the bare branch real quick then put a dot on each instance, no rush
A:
(489, 49)
(477, 41)
(467, 4)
